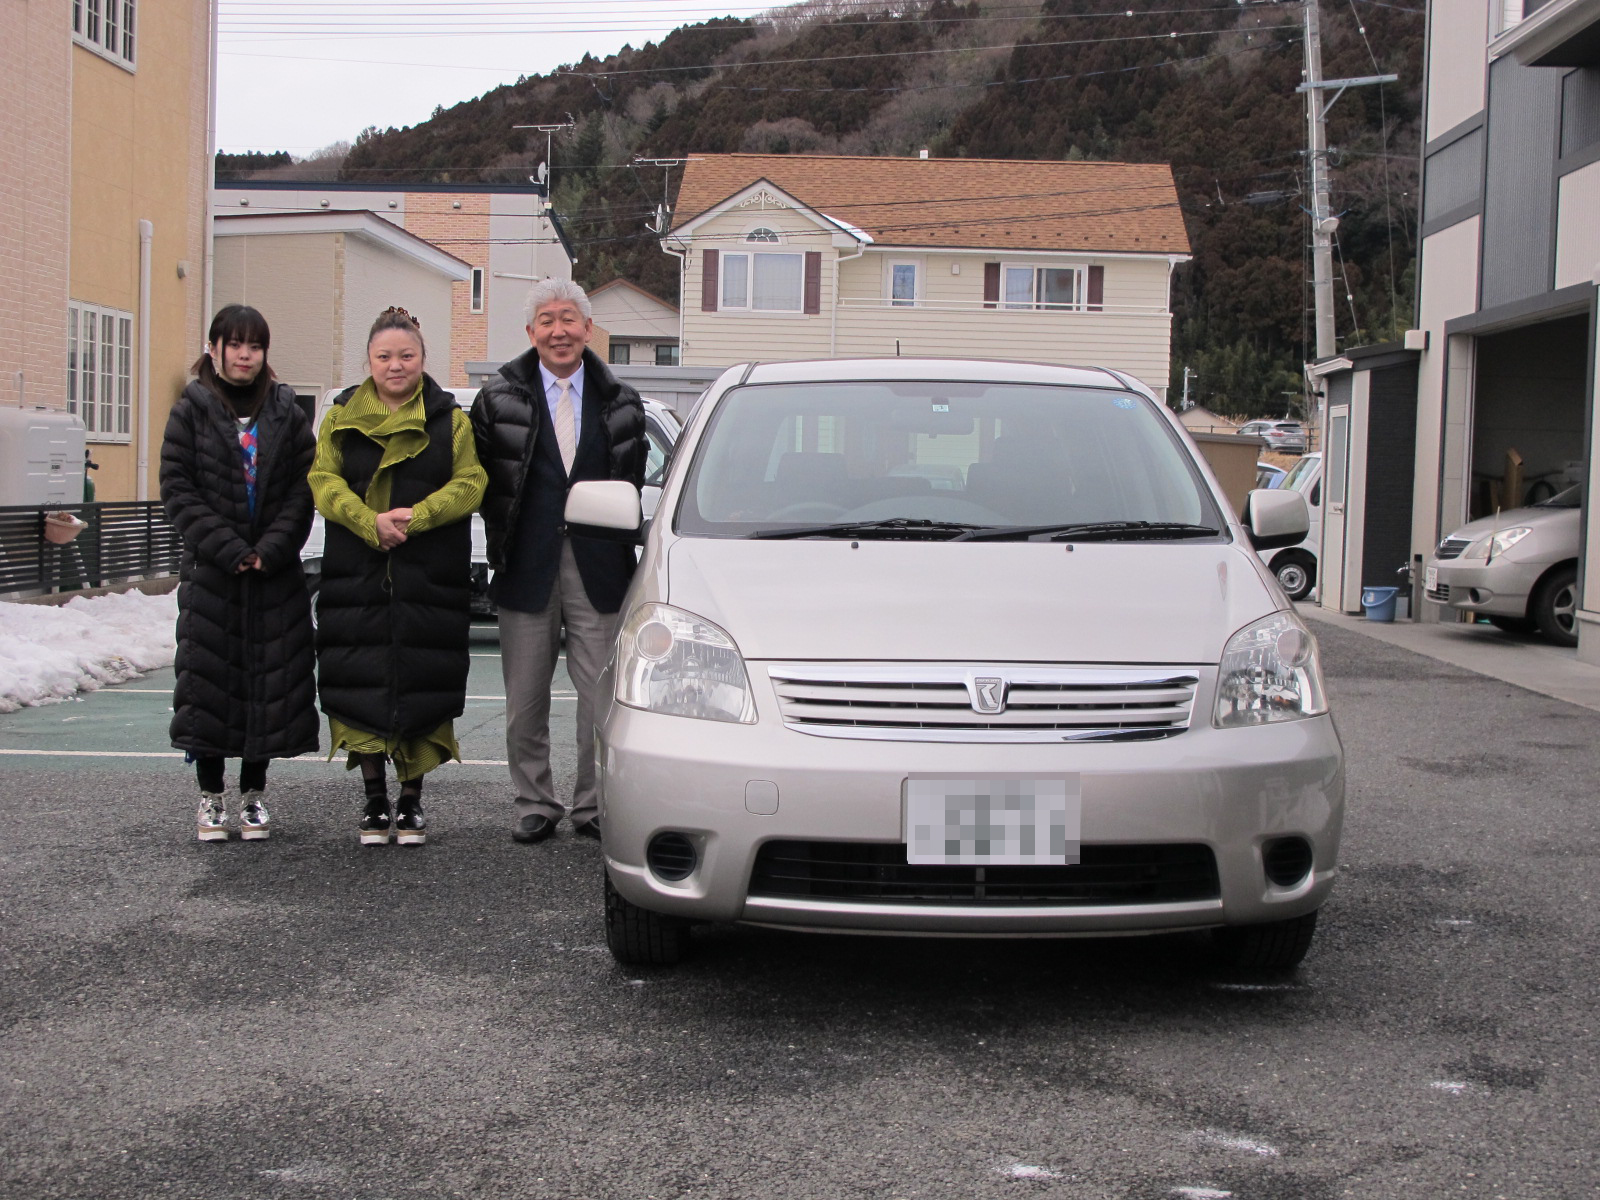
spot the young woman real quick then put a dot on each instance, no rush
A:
(233, 483)
(396, 476)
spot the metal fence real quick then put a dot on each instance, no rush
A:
(124, 540)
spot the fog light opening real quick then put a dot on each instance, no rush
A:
(671, 857)
(1286, 861)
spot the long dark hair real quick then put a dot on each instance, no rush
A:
(237, 323)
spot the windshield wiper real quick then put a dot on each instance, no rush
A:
(1091, 531)
(912, 526)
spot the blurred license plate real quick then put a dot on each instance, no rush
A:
(1431, 580)
(1005, 820)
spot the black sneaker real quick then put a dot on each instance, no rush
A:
(410, 825)
(376, 825)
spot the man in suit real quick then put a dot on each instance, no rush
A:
(553, 417)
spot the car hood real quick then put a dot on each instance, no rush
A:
(970, 601)
(1546, 520)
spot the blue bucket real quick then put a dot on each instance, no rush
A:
(1379, 602)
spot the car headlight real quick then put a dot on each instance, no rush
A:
(1270, 672)
(672, 662)
(1497, 543)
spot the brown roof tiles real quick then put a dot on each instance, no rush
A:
(1000, 203)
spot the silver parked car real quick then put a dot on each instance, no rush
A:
(1285, 437)
(1518, 568)
(1060, 696)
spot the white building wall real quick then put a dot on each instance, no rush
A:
(1458, 69)
(1448, 288)
(293, 279)
(375, 278)
(523, 248)
(1578, 228)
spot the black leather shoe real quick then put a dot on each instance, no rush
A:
(533, 828)
(589, 829)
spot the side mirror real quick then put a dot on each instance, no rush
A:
(604, 508)
(1276, 518)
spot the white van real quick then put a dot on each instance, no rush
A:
(955, 647)
(1296, 566)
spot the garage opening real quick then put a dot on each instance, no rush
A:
(1529, 414)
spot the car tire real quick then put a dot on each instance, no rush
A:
(1555, 603)
(1274, 946)
(313, 586)
(1297, 574)
(638, 937)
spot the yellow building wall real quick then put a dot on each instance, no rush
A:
(139, 153)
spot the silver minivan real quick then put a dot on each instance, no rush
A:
(936, 646)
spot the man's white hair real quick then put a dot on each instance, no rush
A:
(547, 291)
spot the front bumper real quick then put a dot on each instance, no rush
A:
(1229, 790)
(1499, 588)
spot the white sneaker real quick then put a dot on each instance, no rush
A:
(255, 823)
(211, 818)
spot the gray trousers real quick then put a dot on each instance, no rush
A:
(530, 643)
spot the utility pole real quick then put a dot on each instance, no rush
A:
(1323, 222)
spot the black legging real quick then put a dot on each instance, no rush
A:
(208, 773)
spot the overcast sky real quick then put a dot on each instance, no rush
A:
(298, 75)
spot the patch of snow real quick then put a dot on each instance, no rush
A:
(1024, 1171)
(49, 653)
(1201, 1193)
(1451, 1086)
(1229, 1142)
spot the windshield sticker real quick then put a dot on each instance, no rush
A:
(1125, 402)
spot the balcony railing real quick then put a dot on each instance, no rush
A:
(123, 541)
(1024, 310)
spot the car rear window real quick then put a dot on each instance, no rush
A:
(985, 454)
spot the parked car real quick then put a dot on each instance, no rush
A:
(1269, 475)
(844, 698)
(661, 428)
(1517, 568)
(1286, 437)
(1296, 566)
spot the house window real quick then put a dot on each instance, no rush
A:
(100, 370)
(1043, 287)
(106, 27)
(763, 282)
(666, 354)
(902, 284)
(621, 354)
(762, 235)
(477, 289)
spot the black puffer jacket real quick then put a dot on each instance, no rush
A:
(246, 683)
(508, 418)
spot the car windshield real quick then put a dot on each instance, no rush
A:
(1571, 498)
(938, 460)
(1299, 476)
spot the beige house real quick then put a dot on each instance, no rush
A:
(321, 278)
(505, 234)
(642, 329)
(797, 256)
(102, 216)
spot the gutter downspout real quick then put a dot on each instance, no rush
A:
(147, 232)
(208, 267)
(682, 255)
(833, 317)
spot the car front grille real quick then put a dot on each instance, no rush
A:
(877, 872)
(914, 702)
(1440, 592)
(1451, 547)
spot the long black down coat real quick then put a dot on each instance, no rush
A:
(524, 506)
(246, 666)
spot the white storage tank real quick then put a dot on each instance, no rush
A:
(41, 456)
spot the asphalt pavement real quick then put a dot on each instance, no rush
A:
(308, 1018)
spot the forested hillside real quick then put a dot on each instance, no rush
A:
(1208, 87)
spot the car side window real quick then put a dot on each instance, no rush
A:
(655, 467)
(1316, 493)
